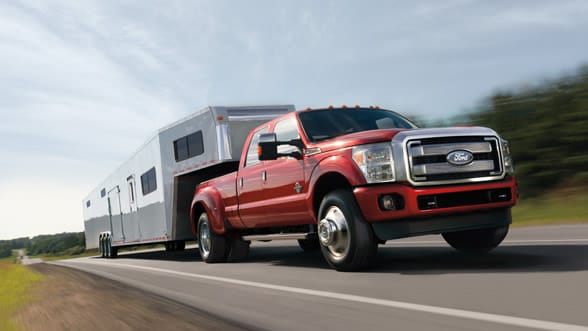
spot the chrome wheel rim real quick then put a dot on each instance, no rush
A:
(334, 233)
(204, 238)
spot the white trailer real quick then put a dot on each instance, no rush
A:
(147, 199)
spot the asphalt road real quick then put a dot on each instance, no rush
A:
(25, 260)
(538, 279)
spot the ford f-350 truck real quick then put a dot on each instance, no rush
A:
(344, 180)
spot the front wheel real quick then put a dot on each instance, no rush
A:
(212, 247)
(347, 241)
(476, 241)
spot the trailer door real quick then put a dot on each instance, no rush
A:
(116, 216)
(132, 224)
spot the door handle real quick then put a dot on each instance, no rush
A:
(241, 181)
(264, 175)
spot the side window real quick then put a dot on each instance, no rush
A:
(252, 156)
(148, 181)
(188, 146)
(286, 130)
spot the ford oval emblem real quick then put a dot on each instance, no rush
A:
(460, 158)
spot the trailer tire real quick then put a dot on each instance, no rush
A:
(212, 247)
(347, 241)
(238, 250)
(476, 241)
(309, 245)
(101, 247)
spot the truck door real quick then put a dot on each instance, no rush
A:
(284, 188)
(116, 216)
(132, 221)
(250, 184)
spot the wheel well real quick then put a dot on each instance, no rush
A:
(326, 183)
(197, 210)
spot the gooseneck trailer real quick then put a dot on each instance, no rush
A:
(148, 198)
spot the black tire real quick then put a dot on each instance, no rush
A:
(476, 241)
(102, 247)
(353, 248)
(309, 245)
(108, 246)
(238, 250)
(212, 247)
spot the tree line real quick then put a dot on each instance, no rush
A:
(547, 127)
(57, 244)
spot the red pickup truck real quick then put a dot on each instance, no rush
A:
(344, 180)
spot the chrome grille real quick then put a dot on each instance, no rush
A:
(428, 159)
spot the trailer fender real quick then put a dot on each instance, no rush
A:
(209, 200)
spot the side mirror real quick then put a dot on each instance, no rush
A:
(267, 149)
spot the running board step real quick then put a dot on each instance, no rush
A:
(280, 236)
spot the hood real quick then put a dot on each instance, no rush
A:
(357, 138)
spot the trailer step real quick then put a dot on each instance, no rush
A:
(280, 236)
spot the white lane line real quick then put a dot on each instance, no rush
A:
(506, 242)
(494, 318)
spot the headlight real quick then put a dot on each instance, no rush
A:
(375, 161)
(506, 158)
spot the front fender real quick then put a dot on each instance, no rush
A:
(336, 164)
(210, 199)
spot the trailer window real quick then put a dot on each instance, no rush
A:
(252, 156)
(103, 193)
(148, 181)
(88, 204)
(188, 146)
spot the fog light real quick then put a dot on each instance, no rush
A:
(387, 202)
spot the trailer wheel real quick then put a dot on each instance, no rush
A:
(212, 247)
(238, 250)
(476, 241)
(309, 245)
(101, 246)
(347, 241)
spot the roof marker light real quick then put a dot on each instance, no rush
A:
(330, 107)
(357, 106)
(344, 106)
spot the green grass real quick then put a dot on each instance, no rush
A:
(15, 283)
(560, 208)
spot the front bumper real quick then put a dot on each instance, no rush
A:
(434, 202)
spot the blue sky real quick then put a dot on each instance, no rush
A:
(84, 83)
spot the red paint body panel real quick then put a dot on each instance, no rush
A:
(367, 199)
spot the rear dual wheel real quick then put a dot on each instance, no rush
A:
(216, 248)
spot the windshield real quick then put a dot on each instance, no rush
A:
(329, 123)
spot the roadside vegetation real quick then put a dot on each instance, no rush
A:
(16, 282)
(546, 126)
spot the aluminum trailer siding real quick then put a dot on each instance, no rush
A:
(147, 199)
